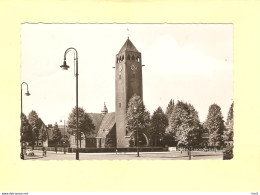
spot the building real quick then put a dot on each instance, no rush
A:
(103, 134)
(42, 132)
(110, 128)
(128, 78)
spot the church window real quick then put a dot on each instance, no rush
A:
(119, 105)
(120, 59)
(123, 58)
(117, 60)
(138, 59)
(119, 76)
(128, 57)
(133, 57)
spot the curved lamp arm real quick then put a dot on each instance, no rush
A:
(74, 51)
(65, 66)
(27, 93)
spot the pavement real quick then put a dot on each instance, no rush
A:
(173, 155)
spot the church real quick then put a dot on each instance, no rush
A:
(110, 128)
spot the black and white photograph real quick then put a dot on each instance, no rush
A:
(126, 91)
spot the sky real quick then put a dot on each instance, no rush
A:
(187, 62)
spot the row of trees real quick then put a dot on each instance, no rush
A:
(32, 129)
(179, 125)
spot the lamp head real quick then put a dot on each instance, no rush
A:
(27, 93)
(64, 66)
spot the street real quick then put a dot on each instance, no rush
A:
(175, 155)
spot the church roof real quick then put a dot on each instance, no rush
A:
(128, 46)
(108, 121)
(107, 124)
(97, 120)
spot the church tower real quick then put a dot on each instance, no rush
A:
(128, 82)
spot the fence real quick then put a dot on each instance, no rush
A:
(101, 150)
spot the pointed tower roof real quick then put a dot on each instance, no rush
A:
(104, 111)
(128, 46)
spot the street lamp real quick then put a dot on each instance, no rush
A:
(21, 133)
(137, 138)
(66, 67)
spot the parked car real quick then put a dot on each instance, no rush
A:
(29, 152)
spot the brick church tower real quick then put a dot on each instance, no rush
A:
(128, 82)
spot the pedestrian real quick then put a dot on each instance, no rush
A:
(43, 151)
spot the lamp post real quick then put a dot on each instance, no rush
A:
(65, 67)
(137, 138)
(21, 133)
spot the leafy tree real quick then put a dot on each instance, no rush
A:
(159, 122)
(26, 130)
(85, 123)
(169, 108)
(36, 124)
(228, 133)
(137, 117)
(56, 134)
(184, 125)
(215, 125)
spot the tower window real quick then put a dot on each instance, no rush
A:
(120, 59)
(123, 58)
(133, 57)
(138, 59)
(119, 105)
(117, 60)
(128, 57)
(119, 76)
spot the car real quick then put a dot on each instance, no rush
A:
(29, 152)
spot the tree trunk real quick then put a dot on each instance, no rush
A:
(85, 141)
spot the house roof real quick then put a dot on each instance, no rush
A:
(128, 46)
(107, 124)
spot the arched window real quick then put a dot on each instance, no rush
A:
(128, 57)
(117, 60)
(120, 59)
(138, 59)
(133, 57)
(123, 58)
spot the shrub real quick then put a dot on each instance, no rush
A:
(228, 153)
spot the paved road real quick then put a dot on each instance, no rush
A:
(129, 156)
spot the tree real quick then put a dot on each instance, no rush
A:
(85, 123)
(137, 118)
(26, 130)
(159, 122)
(169, 108)
(184, 125)
(56, 134)
(215, 126)
(36, 124)
(228, 133)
